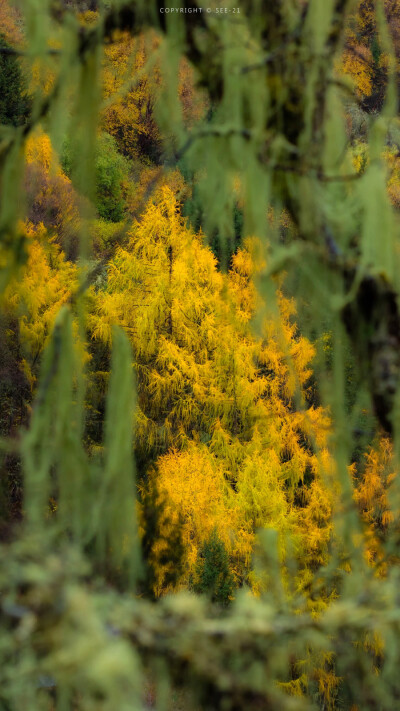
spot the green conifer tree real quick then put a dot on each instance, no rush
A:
(212, 574)
(14, 100)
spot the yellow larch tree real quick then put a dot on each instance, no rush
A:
(36, 294)
(162, 287)
(373, 488)
(130, 93)
(50, 196)
(216, 404)
(10, 23)
(132, 85)
(365, 57)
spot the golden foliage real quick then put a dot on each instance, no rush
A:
(357, 63)
(215, 399)
(51, 198)
(196, 490)
(36, 295)
(132, 79)
(129, 94)
(10, 23)
(372, 496)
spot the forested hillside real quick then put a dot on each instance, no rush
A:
(199, 355)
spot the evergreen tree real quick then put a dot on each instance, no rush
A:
(14, 100)
(212, 574)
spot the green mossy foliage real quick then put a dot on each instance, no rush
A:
(277, 136)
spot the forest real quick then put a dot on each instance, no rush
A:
(199, 355)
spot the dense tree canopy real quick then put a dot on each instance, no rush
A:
(199, 355)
